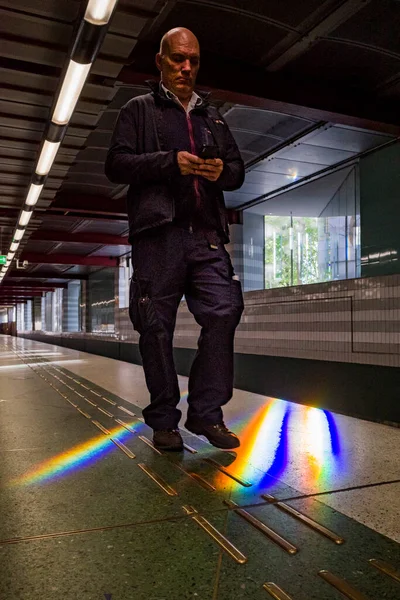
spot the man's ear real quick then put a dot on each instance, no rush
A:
(158, 61)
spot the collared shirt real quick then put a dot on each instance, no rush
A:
(193, 102)
(194, 197)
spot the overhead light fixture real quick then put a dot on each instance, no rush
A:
(74, 81)
(25, 218)
(14, 246)
(47, 157)
(33, 194)
(10, 256)
(98, 12)
(18, 235)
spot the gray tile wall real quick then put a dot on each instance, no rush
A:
(353, 321)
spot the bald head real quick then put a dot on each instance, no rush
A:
(179, 33)
(179, 61)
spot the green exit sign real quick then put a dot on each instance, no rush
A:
(3, 259)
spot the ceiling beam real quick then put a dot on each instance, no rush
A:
(69, 259)
(14, 285)
(90, 203)
(278, 57)
(16, 297)
(21, 274)
(10, 293)
(60, 213)
(16, 290)
(80, 238)
(309, 99)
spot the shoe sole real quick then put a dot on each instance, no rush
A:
(200, 432)
(169, 448)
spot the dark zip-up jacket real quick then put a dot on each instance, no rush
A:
(137, 156)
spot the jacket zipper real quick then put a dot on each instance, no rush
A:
(193, 151)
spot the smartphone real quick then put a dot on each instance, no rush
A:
(209, 152)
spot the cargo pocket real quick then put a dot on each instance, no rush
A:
(141, 310)
(236, 293)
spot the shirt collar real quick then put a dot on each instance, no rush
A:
(194, 101)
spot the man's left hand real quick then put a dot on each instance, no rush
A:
(211, 169)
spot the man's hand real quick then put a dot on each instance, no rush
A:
(189, 164)
(211, 169)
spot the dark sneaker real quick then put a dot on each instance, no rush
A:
(218, 435)
(168, 439)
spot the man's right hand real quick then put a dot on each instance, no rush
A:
(189, 163)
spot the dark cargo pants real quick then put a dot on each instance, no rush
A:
(170, 262)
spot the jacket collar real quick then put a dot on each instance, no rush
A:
(160, 94)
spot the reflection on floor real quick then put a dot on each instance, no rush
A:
(267, 441)
(90, 508)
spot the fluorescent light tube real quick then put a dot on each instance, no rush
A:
(14, 246)
(73, 83)
(47, 157)
(10, 256)
(25, 218)
(99, 12)
(18, 235)
(33, 194)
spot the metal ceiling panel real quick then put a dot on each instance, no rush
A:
(126, 25)
(304, 201)
(58, 224)
(265, 121)
(62, 10)
(112, 251)
(247, 139)
(39, 246)
(290, 168)
(71, 248)
(346, 138)
(235, 199)
(89, 188)
(125, 93)
(111, 227)
(315, 154)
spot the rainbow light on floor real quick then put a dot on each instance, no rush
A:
(321, 446)
(264, 446)
(281, 432)
(77, 458)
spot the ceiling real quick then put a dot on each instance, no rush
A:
(305, 200)
(304, 87)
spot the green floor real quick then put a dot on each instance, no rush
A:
(81, 519)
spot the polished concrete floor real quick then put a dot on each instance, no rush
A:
(90, 510)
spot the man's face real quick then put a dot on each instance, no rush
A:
(179, 65)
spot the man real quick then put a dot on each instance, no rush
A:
(178, 227)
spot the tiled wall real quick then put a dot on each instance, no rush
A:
(355, 321)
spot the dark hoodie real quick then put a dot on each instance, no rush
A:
(149, 132)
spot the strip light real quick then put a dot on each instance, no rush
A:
(98, 12)
(74, 81)
(47, 157)
(25, 218)
(18, 235)
(33, 194)
(87, 44)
